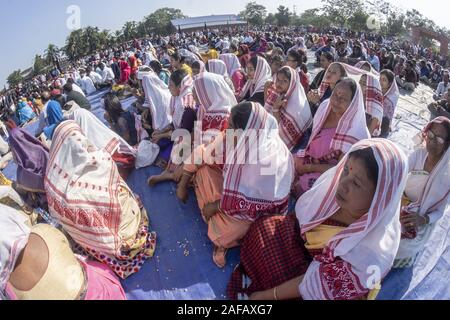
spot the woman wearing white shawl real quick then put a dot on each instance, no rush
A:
(348, 224)
(373, 96)
(14, 233)
(157, 100)
(215, 99)
(258, 73)
(366, 66)
(234, 71)
(289, 105)
(93, 203)
(427, 190)
(391, 95)
(104, 138)
(299, 44)
(339, 123)
(234, 193)
(219, 67)
(184, 115)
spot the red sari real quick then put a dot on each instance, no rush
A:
(125, 71)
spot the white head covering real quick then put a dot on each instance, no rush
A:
(218, 67)
(157, 99)
(216, 100)
(390, 100)
(374, 97)
(99, 134)
(296, 116)
(372, 69)
(370, 242)
(184, 100)
(263, 73)
(250, 190)
(14, 234)
(143, 71)
(188, 54)
(351, 128)
(232, 63)
(434, 197)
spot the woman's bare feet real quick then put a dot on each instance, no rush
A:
(165, 176)
(220, 257)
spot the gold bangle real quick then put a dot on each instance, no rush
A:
(275, 293)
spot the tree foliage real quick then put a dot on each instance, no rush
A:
(40, 64)
(254, 14)
(14, 78)
(283, 16)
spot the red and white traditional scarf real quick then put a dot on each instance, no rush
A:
(263, 73)
(296, 117)
(14, 234)
(351, 128)
(216, 100)
(373, 95)
(100, 135)
(372, 69)
(184, 100)
(390, 100)
(232, 63)
(254, 188)
(346, 267)
(218, 67)
(82, 185)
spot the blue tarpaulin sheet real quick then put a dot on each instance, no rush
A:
(182, 267)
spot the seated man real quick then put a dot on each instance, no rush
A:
(424, 72)
(408, 78)
(441, 107)
(107, 75)
(442, 88)
(72, 95)
(436, 76)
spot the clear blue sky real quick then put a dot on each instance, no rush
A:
(27, 27)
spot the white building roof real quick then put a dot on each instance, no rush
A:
(210, 21)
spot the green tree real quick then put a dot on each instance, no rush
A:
(340, 11)
(395, 24)
(313, 17)
(91, 38)
(40, 65)
(270, 19)
(52, 54)
(129, 30)
(159, 22)
(283, 16)
(254, 13)
(14, 78)
(358, 21)
(75, 46)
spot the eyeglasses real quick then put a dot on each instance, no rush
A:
(432, 136)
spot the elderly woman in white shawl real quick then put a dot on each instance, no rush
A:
(427, 190)
(346, 229)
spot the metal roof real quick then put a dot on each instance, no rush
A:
(209, 21)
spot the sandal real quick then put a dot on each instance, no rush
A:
(219, 257)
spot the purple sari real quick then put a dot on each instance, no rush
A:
(31, 157)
